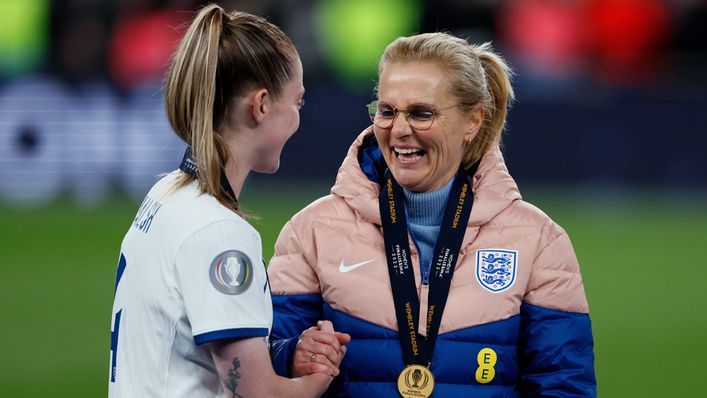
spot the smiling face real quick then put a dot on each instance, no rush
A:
(425, 160)
(281, 123)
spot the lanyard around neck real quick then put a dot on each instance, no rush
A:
(418, 350)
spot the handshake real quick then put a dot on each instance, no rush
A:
(320, 349)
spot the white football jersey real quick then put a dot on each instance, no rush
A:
(190, 272)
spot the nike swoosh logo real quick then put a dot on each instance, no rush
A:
(349, 268)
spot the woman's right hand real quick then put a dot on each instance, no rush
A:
(320, 349)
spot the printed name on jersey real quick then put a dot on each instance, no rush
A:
(146, 213)
(496, 269)
(231, 272)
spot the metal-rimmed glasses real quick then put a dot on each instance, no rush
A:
(420, 116)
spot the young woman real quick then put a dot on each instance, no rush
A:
(192, 309)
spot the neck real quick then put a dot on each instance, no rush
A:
(240, 137)
(238, 166)
(237, 169)
(427, 208)
(235, 178)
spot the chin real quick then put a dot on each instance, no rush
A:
(410, 177)
(271, 170)
(268, 168)
(405, 180)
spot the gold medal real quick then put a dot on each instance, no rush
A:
(416, 381)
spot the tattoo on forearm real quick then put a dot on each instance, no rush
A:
(233, 375)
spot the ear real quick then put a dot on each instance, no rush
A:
(476, 119)
(259, 104)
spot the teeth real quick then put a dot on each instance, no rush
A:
(407, 151)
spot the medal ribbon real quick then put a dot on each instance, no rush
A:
(416, 348)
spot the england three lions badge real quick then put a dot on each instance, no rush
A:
(496, 269)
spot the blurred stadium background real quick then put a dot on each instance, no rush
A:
(608, 136)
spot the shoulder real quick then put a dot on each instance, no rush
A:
(193, 213)
(323, 223)
(236, 229)
(525, 222)
(218, 240)
(523, 213)
(328, 208)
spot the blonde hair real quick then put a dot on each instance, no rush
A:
(477, 75)
(220, 57)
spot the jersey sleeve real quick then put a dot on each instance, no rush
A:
(222, 281)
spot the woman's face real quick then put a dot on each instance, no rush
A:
(281, 124)
(424, 160)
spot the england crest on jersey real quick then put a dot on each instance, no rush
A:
(496, 269)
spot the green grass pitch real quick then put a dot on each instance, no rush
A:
(644, 263)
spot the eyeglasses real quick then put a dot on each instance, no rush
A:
(420, 117)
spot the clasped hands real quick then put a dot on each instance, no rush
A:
(320, 349)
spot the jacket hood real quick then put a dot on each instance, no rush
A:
(357, 182)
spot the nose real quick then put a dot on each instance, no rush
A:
(400, 126)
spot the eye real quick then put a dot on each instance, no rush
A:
(386, 111)
(421, 114)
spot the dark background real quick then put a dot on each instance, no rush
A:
(610, 93)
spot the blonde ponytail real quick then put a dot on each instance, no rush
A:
(499, 97)
(220, 56)
(190, 113)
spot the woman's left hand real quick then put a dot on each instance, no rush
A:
(320, 349)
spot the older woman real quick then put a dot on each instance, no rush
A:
(425, 253)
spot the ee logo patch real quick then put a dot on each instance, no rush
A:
(486, 359)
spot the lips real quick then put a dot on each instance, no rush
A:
(408, 155)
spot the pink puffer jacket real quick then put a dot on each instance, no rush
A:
(330, 263)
